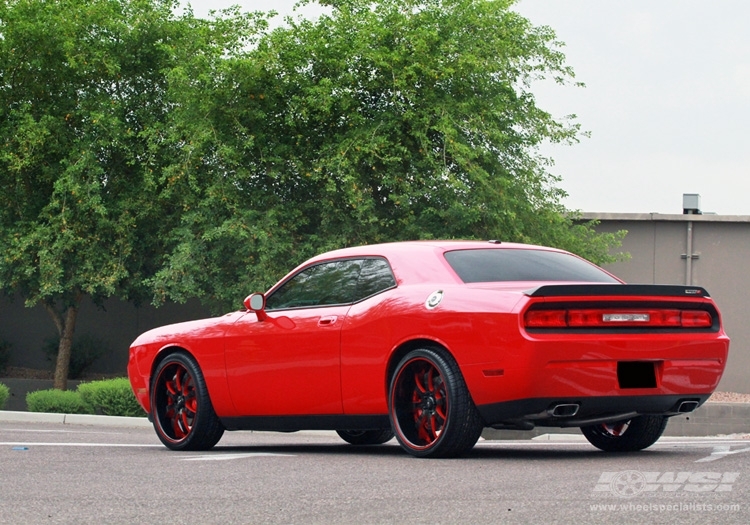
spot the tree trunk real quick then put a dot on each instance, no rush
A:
(65, 322)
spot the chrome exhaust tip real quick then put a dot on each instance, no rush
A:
(687, 406)
(564, 410)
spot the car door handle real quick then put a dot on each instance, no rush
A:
(327, 321)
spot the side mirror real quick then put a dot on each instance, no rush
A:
(256, 302)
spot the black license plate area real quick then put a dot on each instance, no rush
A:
(636, 374)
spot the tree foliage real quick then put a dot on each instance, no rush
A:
(84, 101)
(147, 153)
(380, 121)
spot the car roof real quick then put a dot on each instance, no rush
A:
(411, 247)
(420, 261)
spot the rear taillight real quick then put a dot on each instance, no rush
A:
(609, 318)
(696, 319)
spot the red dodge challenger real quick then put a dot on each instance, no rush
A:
(432, 341)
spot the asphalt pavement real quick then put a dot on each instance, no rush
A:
(77, 473)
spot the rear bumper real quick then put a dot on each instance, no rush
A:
(614, 366)
(525, 414)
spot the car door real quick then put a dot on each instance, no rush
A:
(366, 338)
(290, 363)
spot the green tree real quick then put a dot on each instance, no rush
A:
(152, 154)
(83, 120)
(380, 121)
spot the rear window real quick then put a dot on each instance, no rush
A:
(494, 265)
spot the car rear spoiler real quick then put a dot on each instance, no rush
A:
(577, 290)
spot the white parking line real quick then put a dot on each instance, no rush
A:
(582, 443)
(113, 445)
(53, 431)
(535, 444)
(225, 457)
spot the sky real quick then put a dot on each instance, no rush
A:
(666, 102)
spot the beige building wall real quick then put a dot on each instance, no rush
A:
(658, 245)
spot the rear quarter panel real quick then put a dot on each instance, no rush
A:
(474, 325)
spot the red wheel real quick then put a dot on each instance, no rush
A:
(615, 429)
(626, 436)
(431, 411)
(181, 409)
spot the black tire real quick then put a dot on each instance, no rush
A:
(431, 411)
(626, 436)
(366, 437)
(181, 409)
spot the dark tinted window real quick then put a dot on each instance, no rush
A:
(322, 284)
(375, 276)
(337, 282)
(479, 266)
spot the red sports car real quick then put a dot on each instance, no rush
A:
(433, 341)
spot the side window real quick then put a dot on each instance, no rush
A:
(320, 285)
(375, 276)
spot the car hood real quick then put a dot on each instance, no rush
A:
(201, 328)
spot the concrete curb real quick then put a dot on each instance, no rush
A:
(7, 416)
(72, 419)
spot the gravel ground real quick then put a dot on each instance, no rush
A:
(729, 397)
